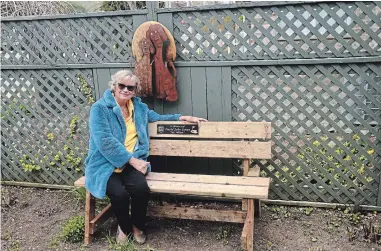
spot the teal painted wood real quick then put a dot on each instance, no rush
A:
(376, 59)
(226, 87)
(213, 93)
(234, 6)
(175, 164)
(198, 94)
(185, 107)
(166, 20)
(137, 20)
(214, 104)
(151, 8)
(199, 109)
(103, 78)
(77, 15)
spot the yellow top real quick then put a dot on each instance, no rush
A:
(131, 135)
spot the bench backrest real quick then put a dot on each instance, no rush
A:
(244, 140)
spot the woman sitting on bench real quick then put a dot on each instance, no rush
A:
(116, 164)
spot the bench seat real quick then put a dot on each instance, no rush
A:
(205, 185)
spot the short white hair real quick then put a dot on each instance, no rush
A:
(122, 74)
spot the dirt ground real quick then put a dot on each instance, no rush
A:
(32, 218)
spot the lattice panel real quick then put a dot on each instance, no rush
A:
(44, 115)
(326, 125)
(313, 30)
(67, 41)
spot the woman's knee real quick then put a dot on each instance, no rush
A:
(118, 195)
(141, 188)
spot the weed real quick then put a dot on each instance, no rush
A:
(308, 210)
(270, 245)
(14, 246)
(128, 246)
(372, 233)
(6, 236)
(80, 193)
(224, 234)
(73, 230)
(352, 233)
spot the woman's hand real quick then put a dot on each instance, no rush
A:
(192, 119)
(139, 164)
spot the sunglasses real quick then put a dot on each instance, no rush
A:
(131, 88)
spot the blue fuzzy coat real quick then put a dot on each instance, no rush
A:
(107, 136)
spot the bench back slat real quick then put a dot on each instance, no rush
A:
(210, 179)
(219, 130)
(211, 149)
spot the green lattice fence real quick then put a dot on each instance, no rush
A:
(321, 30)
(44, 116)
(82, 40)
(326, 133)
(312, 69)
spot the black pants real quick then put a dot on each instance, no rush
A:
(130, 183)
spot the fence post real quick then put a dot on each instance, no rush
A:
(151, 7)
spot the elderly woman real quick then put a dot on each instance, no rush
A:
(116, 164)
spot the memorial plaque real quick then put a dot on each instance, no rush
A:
(177, 129)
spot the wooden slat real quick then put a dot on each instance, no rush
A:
(254, 171)
(89, 216)
(80, 182)
(220, 130)
(174, 212)
(214, 190)
(246, 166)
(213, 149)
(209, 179)
(104, 215)
(196, 178)
(248, 228)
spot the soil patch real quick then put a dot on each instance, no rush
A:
(32, 218)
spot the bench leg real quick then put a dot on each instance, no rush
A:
(247, 237)
(89, 216)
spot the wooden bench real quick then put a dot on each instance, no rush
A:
(236, 140)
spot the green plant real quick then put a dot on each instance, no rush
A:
(86, 89)
(73, 230)
(9, 109)
(128, 246)
(343, 163)
(14, 246)
(80, 193)
(28, 164)
(308, 210)
(224, 234)
(73, 125)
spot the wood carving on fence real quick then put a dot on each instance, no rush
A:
(164, 53)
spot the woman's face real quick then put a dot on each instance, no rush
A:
(125, 89)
